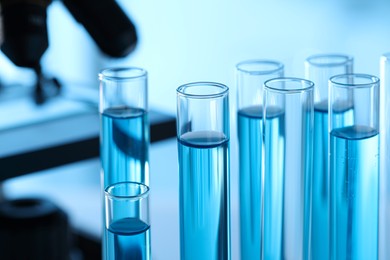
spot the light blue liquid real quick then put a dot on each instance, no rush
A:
(250, 134)
(320, 185)
(128, 239)
(274, 138)
(124, 145)
(354, 187)
(287, 185)
(204, 196)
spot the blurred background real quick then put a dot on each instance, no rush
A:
(188, 41)
(178, 42)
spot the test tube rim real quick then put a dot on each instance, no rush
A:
(278, 66)
(385, 56)
(104, 73)
(346, 59)
(374, 80)
(140, 196)
(309, 85)
(181, 90)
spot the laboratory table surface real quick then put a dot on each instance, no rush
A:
(76, 189)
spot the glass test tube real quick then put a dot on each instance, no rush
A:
(250, 77)
(288, 140)
(203, 145)
(354, 166)
(124, 125)
(319, 69)
(127, 221)
(124, 130)
(384, 197)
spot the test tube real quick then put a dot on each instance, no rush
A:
(288, 140)
(354, 166)
(203, 145)
(127, 221)
(384, 197)
(319, 68)
(124, 129)
(124, 125)
(250, 77)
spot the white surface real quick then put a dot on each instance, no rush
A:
(19, 112)
(76, 189)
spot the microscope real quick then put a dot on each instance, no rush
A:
(25, 36)
(35, 228)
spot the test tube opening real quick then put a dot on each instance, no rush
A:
(202, 90)
(354, 80)
(260, 67)
(288, 85)
(127, 190)
(329, 60)
(122, 74)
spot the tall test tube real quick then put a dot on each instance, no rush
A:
(354, 166)
(250, 77)
(203, 145)
(124, 125)
(319, 69)
(384, 197)
(288, 139)
(124, 129)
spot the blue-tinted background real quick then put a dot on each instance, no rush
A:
(184, 41)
